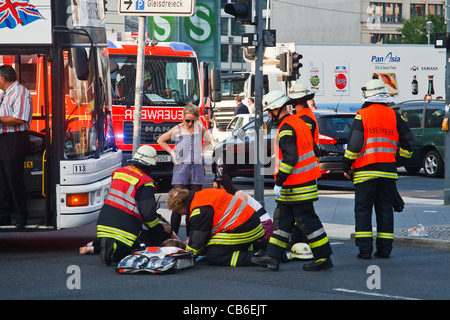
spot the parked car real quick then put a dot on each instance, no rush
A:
(236, 155)
(237, 122)
(425, 121)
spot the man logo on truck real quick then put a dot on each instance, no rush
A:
(13, 13)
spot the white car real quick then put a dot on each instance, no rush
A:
(236, 123)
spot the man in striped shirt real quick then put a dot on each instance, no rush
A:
(15, 118)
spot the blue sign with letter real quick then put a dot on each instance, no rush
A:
(140, 5)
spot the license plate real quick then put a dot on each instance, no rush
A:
(163, 158)
(79, 168)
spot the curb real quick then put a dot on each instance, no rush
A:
(416, 242)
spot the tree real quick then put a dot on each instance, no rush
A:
(414, 30)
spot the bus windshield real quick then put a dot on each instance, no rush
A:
(85, 120)
(168, 81)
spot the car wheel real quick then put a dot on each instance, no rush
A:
(433, 164)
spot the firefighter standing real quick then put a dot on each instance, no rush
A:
(300, 96)
(130, 203)
(223, 225)
(376, 133)
(296, 171)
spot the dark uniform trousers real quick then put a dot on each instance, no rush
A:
(13, 147)
(380, 194)
(235, 248)
(237, 255)
(304, 217)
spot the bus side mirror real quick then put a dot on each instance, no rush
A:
(81, 62)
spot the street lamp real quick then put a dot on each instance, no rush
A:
(429, 28)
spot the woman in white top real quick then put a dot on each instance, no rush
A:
(191, 140)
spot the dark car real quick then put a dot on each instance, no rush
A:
(425, 121)
(236, 156)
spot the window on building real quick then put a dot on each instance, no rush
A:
(224, 52)
(417, 10)
(436, 9)
(236, 55)
(379, 38)
(224, 26)
(237, 29)
(386, 12)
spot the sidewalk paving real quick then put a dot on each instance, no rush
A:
(337, 215)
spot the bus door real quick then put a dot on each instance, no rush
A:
(32, 72)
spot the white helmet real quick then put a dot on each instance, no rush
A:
(374, 87)
(145, 155)
(300, 92)
(274, 100)
(300, 251)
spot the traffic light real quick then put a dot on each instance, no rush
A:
(283, 66)
(241, 10)
(295, 64)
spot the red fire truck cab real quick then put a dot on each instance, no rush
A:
(172, 79)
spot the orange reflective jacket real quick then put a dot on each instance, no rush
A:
(230, 212)
(125, 183)
(380, 134)
(306, 111)
(306, 169)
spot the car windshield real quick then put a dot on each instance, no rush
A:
(269, 128)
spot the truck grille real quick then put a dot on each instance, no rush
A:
(150, 131)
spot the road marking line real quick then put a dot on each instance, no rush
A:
(374, 294)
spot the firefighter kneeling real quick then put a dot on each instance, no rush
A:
(223, 225)
(130, 203)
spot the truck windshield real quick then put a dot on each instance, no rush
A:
(232, 87)
(85, 119)
(168, 81)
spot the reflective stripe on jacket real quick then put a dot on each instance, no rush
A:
(380, 142)
(229, 211)
(122, 192)
(300, 184)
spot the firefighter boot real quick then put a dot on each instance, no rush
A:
(108, 246)
(319, 264)
(266, 261)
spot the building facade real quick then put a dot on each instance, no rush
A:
(300, 21)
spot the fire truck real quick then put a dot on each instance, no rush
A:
(58, 49)
(173, 77)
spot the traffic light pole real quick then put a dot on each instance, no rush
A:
(447, 104)
(258, 174)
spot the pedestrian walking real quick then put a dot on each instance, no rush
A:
(129, 205)
(251, 105)
(16, 110)
(240, 107)
(378, 135)
(191, 141)
(296, 171)
(224, 228)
